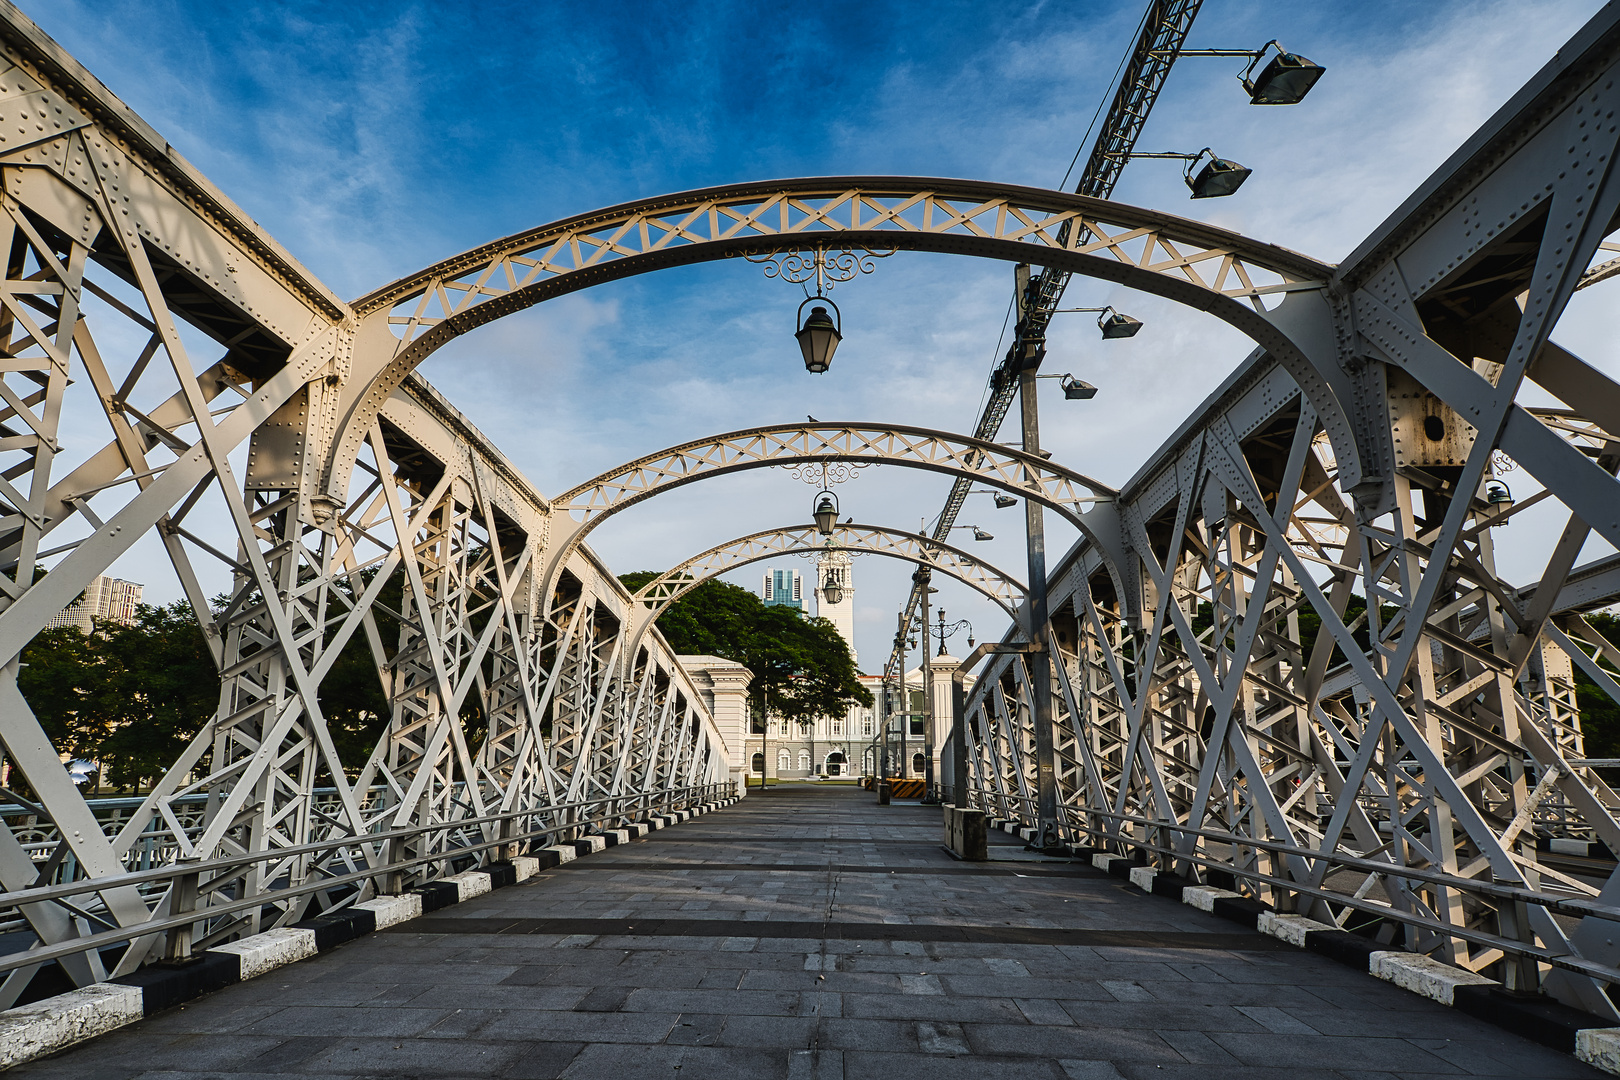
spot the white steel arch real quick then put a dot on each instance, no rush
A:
(1190, 262)
(655, 597)
(581, 509)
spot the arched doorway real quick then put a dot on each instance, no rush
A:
(919, 764)
(759, 762)
(835, 763)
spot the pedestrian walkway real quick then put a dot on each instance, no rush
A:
(809, 934)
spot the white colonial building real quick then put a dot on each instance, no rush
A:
(847, 745)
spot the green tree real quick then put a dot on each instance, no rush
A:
(158, 686)
(1600, 714)
(60, 669)
(801, 666)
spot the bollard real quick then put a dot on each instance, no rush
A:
(883, 792)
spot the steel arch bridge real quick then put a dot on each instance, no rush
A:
(1228, 700)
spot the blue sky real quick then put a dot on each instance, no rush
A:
(373, 139)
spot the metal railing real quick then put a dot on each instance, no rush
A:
(1159, 843)
(200, 892)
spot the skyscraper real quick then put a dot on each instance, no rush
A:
(783, 587)
(112, 599)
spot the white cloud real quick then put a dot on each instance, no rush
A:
(369, 145)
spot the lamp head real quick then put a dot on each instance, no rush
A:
(1115, 325)
(826, 513)
(1076, 390)
(818, 336)
(1217, 179)
(1284, 81)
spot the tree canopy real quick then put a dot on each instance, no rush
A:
(802, 667)
(132, 697)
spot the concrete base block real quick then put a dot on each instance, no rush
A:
(526, 866)
(469, 884)
(1203, 897)
(1142, 877)
(966, 835)
(615, 837)
(1102, 859)
(1423, 975)
(564, 852)
(1599, 1047)
(655, 823)
(1289, 928)
(392, 910)
(274, 948)
(594, 842)
(47, 1026)
(1026, 835)
(638, 829)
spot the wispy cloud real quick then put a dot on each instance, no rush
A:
(374, 138)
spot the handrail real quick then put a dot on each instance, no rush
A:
(1539, 953)
(159, 924)
(168, 870)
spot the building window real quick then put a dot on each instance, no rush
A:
(804, 760)
(837, 728)
(783, 761)
(866, 726)
(804, 729)
(759, 762)
(784, 729)
(919, 764)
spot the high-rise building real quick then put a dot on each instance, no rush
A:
(110, 599)
(783, 587)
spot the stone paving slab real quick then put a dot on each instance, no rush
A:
(809, 934)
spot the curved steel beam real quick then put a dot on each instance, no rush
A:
(1192, 263)
(971, 571)
(580, 510)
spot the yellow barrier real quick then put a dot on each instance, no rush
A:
(898, 789)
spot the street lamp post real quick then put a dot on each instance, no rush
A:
(1047, 832)
(922, 578)
(941, 631)
(905, 695)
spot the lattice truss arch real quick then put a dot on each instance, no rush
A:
(585, 507)
(672, 584)
(1235, 278)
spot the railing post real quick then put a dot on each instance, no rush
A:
(182, 901)
(394, 874)
(1521, 972)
